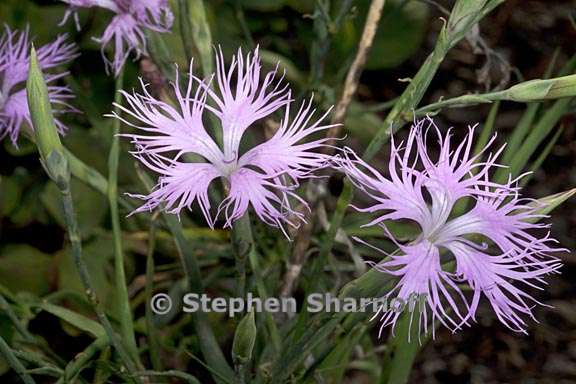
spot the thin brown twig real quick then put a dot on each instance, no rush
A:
(316, 188)
(353, 75)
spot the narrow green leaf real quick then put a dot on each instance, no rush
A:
(542, 128)
(76, 319)
(188, 378)
(333, 366)
(403, 347)
(488, 128)
(13, 361)
(515, 140)
(549, 203)
(201, 35)
(543, 155)
(82, 359)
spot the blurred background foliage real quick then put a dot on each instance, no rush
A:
(520, 40)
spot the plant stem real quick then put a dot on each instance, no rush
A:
(208, 342)
(152, 334)
(123, 301)
(263, 294)
(7, 310)
(244, 247)
(13, 361)
(76, 244)
(325, 28)
(240, 373)
(242, 244)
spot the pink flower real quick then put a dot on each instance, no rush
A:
(127, 29)
(174, 143)
(492, 245)
(14, 57)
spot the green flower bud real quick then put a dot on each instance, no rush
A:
(45, 131)
(543, 89)
(244, 339)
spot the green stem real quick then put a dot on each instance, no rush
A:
(123, 301)
(76, 244)
(7, 310)
(103, 371)
(244, 247)
(56, 166)
(208, 342)
(460, 101)
(242, 243)
(240, 373)
(335, 224)
(152, 334)
(325, 28)
(13, 361)
(263, 294)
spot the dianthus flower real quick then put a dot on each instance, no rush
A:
(264, 176)
(127, 28)
(14, 60)
(491, 246)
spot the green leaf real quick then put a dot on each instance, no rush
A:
(201, 35)
(401, 353)
(98, 255)
(361, 124)
(79, 321)
(333, 366)
(540, 130)
(549, 203)
(10, 193)
(25, 269)
(90, 206)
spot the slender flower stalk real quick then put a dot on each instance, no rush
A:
(14, 60)
(493, 244)
(126, 30)
(151, 330)
(124, 310)
(207, 340)
(264, 177)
